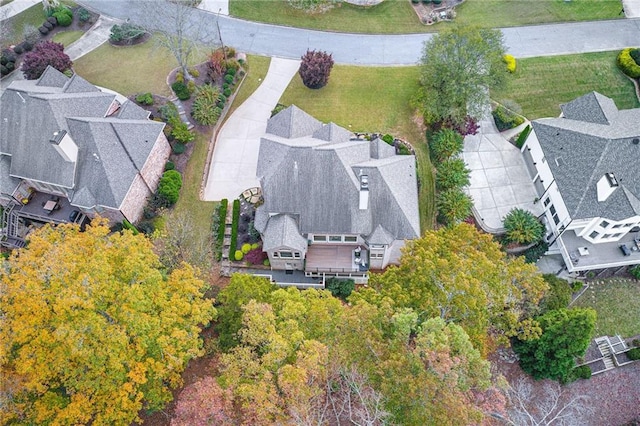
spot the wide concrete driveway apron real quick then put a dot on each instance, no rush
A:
(235, 156)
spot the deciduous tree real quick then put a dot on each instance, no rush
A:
(315, 68)
(459, 67)
(45, 53)
(91, 330)
(204, 403)
(462, 276)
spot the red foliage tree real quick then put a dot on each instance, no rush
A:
(315, 69)
(203, 403)
(217, 64)
(44, 54)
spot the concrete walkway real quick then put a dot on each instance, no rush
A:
(15, 7)
(631, 8)
(215, 6)
(235, 156)
(499, 177)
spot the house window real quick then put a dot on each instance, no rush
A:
(319, 238)
(594, 234)
(555, 219)
(335, 238)
(604, 223)
(350, 239)
(547, 201)
(617, 226)
(554, 214)
(296, 255)
(287, 254)
(275, 254)
(552, 209)
(616, 235)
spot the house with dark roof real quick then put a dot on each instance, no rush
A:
(70, 150)
(334, 204)
(585, 166)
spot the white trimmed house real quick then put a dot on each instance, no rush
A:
(585, 166)
(70, 150)
(334, 205)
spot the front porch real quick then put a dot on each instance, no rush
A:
(336, 259)
(581, 255)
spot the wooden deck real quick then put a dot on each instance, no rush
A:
(333, 258)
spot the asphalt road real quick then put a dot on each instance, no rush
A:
(361, 49)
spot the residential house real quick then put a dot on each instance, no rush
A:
(334, 205)
(585, 166)
(70, 150)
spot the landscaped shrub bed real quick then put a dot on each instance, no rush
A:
(533, 254)
(126, 34)
(235, 219)
(634, 354)
(629, 62)
(506, 119)
(218, 227)
(204, 109)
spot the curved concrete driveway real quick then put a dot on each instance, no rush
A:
(235, 156)
(372, 49)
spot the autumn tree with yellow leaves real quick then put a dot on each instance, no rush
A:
(91, 331)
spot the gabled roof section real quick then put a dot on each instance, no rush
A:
(331, 132)
(51, 77)
(318, 183)
(292, 123)
(379, 236)
(111, 150)
(591, 108)
(282, 231)
(381, 149)
(591, 151)
(129, 110)
(77, 84)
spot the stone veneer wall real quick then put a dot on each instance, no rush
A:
(133, 204)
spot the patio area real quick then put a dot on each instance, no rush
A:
(336, 258)
(46, 208)
(499, 177)
(581, 255)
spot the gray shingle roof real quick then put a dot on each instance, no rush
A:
(592, 108)
(111, 150)
(381, 149)
(379, 236)
(318, 182)
(586, 151)
(51, 77)
(292, 123)
(331, 132)
(282, 231)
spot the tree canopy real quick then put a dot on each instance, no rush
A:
(91, 330)
(566, 334)
(306, 357)
(462, 276)
(459, 67)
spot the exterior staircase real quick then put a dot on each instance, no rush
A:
(10, 226)
(607, 355)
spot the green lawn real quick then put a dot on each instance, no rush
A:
(398, 16)
(67, 37)
(128, 70)
(540, 85)
(617, 303)
(34, 16)
(371, 100)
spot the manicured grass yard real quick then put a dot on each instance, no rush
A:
(33, 16)
(67, 37)
(398, 16)
(540, 85)
(371, 100)
(617, 303)
(128, 70)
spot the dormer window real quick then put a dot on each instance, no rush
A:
(611, 178)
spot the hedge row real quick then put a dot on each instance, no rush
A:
(219, 222)
(506, 119)
(234, 230)
(522, 137)
(628, 63)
